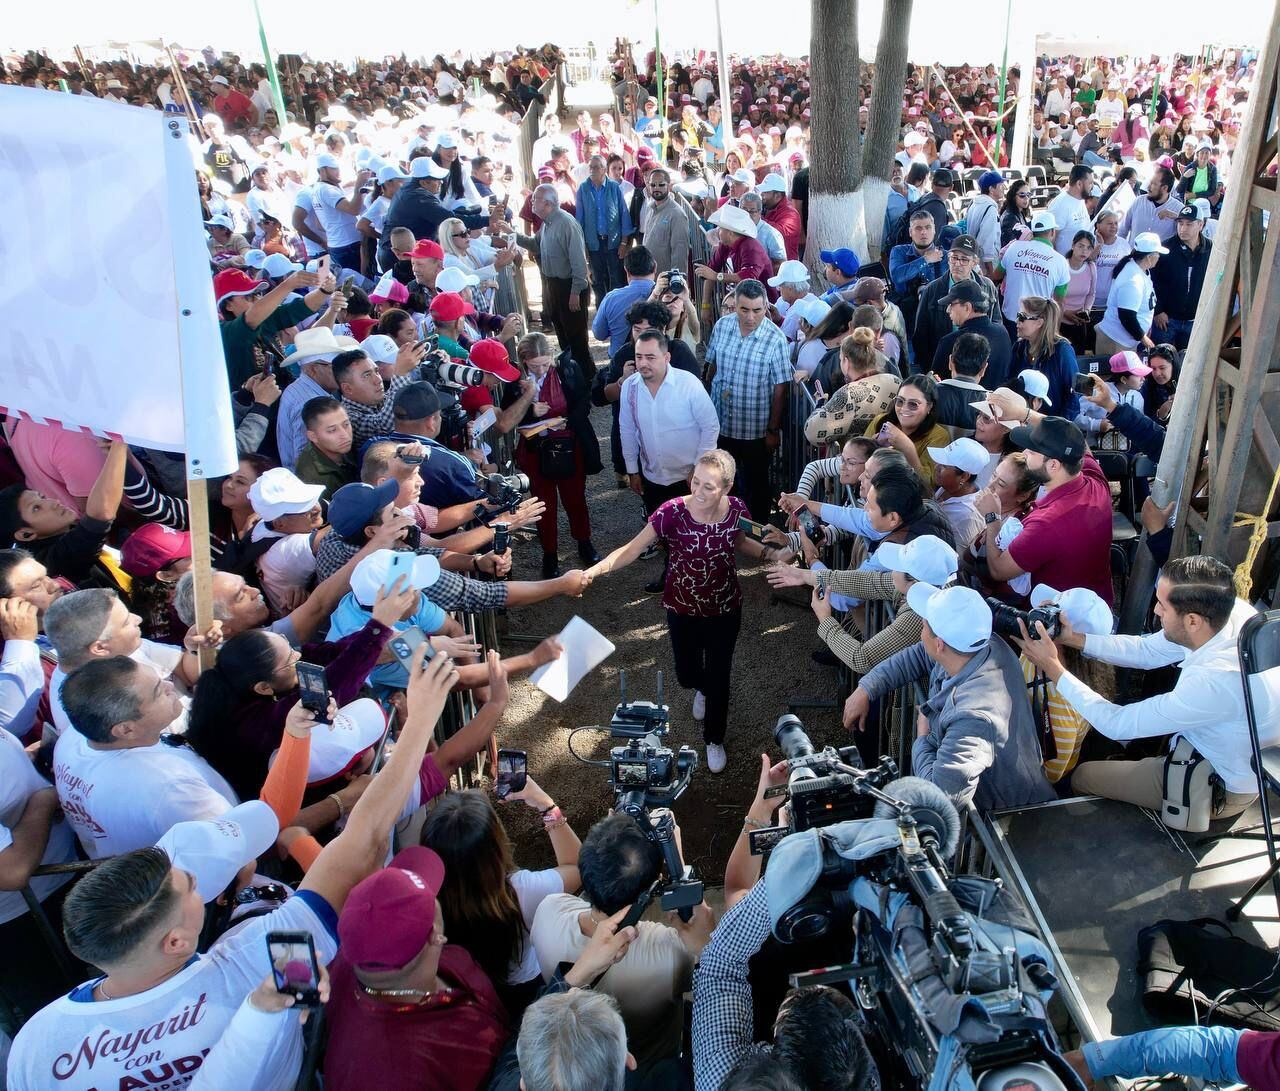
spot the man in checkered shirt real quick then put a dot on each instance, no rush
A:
(748, 366)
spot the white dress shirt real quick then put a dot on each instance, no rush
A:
(663, 434)
(1206, 705)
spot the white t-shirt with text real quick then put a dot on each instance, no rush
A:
(1031, 268)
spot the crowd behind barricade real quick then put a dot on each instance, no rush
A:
(948, 449)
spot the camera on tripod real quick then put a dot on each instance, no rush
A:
(1005, 618)
(644, 776)
(504, 491)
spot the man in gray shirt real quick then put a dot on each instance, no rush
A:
(664, 224)
(562, 257)
(976, 738)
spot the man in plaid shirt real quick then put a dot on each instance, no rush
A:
(367, 401)
(748, 366)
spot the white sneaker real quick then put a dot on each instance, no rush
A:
(715, 757)
(699, 705)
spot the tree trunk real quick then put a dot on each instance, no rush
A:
(833, 145)
(884, 118)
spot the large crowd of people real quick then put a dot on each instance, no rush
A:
(922, 442)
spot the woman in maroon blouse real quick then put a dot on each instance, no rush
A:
(701, 595)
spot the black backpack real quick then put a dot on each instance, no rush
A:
(900, 232)
(1198, 971)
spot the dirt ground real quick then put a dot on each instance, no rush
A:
(771, 667)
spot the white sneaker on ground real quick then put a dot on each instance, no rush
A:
(715, 757)
(699, 705)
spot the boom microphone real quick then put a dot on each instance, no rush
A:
(931, 807)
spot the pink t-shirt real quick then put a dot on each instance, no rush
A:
(702, 569)
(60, 464)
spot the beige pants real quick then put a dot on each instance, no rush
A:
(1104, 346)
(1140, 782)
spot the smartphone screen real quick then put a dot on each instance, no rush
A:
(294, 966)
(404, 644)
(754, 531)
(315, 690)
(322, 270)
(513, 772)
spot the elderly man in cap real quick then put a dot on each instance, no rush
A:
(969, 309)
(227, 247)
(976, 737)
(781, 214)
(793, 288)
(417, 206)
(741, 182)
(337, 212)
(766, 234)
(739, 256)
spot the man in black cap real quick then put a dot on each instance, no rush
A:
(942, 183)
(933, 319)
(448, 477)
(1065, 540)
(967, 308)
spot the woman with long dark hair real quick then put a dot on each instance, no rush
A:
(1040, 347)
(458, 189)
(1015, 213)
(911, 425)
(824, 341)
(488, 902)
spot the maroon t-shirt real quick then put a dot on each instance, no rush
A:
(1258, 1059)
(449, 1043)
(1066, 538)
(702, 568)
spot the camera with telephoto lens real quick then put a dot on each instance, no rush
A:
(644, 776)
(823, 786)
(444, 374)
(506, 491)
(676, 282)
(1005, 618)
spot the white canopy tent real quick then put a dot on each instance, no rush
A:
(941, 31)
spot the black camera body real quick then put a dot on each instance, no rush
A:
(676, 282)
(505, 491)
(1005, 618)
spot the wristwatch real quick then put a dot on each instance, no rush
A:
(990, 517)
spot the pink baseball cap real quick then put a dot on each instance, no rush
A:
(388, 918)
(152, 547)
(1129, 362)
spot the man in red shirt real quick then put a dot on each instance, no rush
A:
(739, 256)
(406, 1009)
(781, 214)
(1065, 541)
(235, 108)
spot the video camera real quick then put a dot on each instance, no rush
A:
(505, 491)
(645, 775)
(1005, 618)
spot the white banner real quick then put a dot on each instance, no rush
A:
(106, 307)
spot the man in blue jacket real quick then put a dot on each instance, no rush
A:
(606, 225)
(418, 207)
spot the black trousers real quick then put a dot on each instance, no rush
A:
(752, 482)
(570, 326)
(703, 651)
(654, 496)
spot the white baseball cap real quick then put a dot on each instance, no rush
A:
(220, 221)
(254, 259)
(964, 454)
(1148, 242)
(380, 348)
(1036, 384)
(927, 559)
(215, 849)
(772, 183)
(277, 265)
(813, 310)
(335, 746)
(454, 279)
(959, 616)
(913, 139)
(732, 218)
(327, 160)
(743, 177)
(389, 173)
(378, 571)
(425, 167)
(278, 492)
(789, 272)
(220, 79)
(1083, 608)
(1044, 221)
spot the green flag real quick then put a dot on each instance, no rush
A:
(277, 95)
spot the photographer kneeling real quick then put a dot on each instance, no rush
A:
(1200, 623)
(976, 736)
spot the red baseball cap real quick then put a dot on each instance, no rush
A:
(233, 282)
(491, 356)
(425, 248)
(151, 547)
(449, 306)
(645, 154)
(388, 918)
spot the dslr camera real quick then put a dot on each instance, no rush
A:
(445, 374)
(507, 491)
(677, 284)
(1005, 618)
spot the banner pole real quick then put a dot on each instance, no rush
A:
(201, 562)
(273, 77)
(1004, 77)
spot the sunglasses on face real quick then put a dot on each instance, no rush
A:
(1024, 317)
(903, 403)
(460, 235)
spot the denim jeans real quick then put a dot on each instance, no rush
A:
(606, 271)
(1177, 332)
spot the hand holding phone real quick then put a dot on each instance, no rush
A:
(294, 967)
(404, 644)
(314, 690)
(754, 531)
(512, 774)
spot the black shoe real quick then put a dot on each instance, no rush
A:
(550, 566)
(824, 658)
(588, 552)
(657, 585)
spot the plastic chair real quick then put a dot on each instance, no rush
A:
(1036, 176)
(1259, 647)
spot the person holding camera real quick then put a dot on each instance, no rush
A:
(976, 737)
(1200, 623)
(672, 291)
(558, 457)
(618, 863)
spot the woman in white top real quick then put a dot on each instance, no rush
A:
(826, 336)
(1131, 302)
(1111, 248)
(463, 252)
(488, 904)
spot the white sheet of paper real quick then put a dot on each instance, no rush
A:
(584, 650)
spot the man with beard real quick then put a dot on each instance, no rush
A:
(1156, 210)
(664, 224)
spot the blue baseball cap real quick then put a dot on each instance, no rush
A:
(354, 505)
(843, 259)
(990, 178)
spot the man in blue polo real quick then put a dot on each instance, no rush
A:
(611, 315)
(841, 269)
(606, 225)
